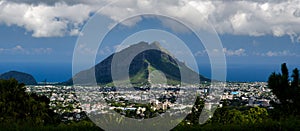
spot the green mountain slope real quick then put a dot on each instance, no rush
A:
(155, 58)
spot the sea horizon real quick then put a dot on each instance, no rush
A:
(52, 72)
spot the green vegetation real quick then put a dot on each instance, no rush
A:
(227, 118)
(140, 78)
(287, 124)
(16, 106)
(23, 111)
(73, 126)
(139, 68)
(288, 93)
(285, 115)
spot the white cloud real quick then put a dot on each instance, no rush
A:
(18, 49)
(43, 20)
(277, 53)
(175, 26)
(242, 52)
(200, 53)
(238, 52)
(65, 17)
(227, 52)
(106, 51)
(235, 17)
(84, 49)
(42, 50)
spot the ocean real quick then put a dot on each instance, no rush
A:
(61, 72)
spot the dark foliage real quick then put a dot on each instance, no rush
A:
(17, 106)
(287, 93)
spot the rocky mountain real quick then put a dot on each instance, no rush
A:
(20, 77)
(141, 64)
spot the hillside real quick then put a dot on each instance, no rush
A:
(19, 76)
(152, 59)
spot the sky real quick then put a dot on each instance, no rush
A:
(39, 37)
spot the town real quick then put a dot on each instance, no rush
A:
(71, 102)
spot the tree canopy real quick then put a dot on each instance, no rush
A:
(288, 93)
(18, 106)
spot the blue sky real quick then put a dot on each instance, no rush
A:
(254, 47)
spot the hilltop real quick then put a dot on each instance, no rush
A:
(154, 58)
(19, 76)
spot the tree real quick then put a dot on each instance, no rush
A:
(17, 106)
(274, 83)
(295, 88)
(287, 94)
(295, 75)
(279, 83)
(256, 115)
(193, 117)
(285, 76)
(226, 115)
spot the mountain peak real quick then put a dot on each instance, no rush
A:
(146, 45)
(156, 43)
(153, 57)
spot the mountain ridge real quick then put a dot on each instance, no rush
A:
(152, 57)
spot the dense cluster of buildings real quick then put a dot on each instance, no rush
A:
(71, 101)
(248, 94)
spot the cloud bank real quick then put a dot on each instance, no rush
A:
(18, 49)
(44, 20)
(227, 52)
(283, 53)
(66, 17)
